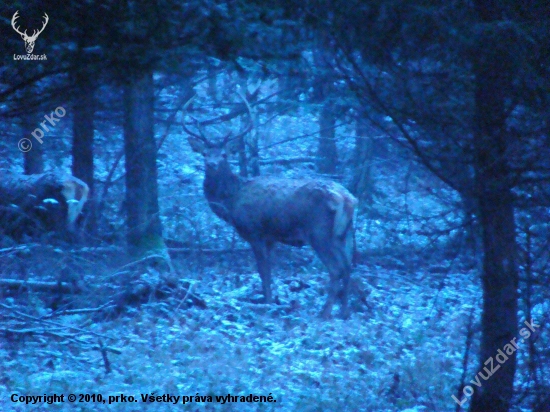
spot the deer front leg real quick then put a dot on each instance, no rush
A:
(262, 253)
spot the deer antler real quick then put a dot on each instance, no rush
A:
(200, 135)
(13, 19)
(228, 137)
(250, 124)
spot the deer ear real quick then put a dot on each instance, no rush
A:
(197, 145)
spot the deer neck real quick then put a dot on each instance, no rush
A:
(220, 189)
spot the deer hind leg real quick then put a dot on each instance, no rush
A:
(334, 258)
(346, 250)
(345, 272)
(262, 252)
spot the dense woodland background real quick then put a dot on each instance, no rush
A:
(436, 116)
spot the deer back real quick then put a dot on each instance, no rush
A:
(291, 211)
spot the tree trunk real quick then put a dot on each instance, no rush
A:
(83, 140)
(496, 212)
(33, 159)
(212, 88)
(327, 153)
(143, 220)
(362, 185)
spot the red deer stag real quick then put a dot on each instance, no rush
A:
(267, 210)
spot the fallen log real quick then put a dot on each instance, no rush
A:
(36, 285)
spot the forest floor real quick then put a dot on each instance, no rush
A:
(201, 338)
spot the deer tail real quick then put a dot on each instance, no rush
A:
(344, 213)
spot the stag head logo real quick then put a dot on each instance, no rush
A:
(29, 40)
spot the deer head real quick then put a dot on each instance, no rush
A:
(270, 210)
(29, 40)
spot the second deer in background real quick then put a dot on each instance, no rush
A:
(296, 212)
